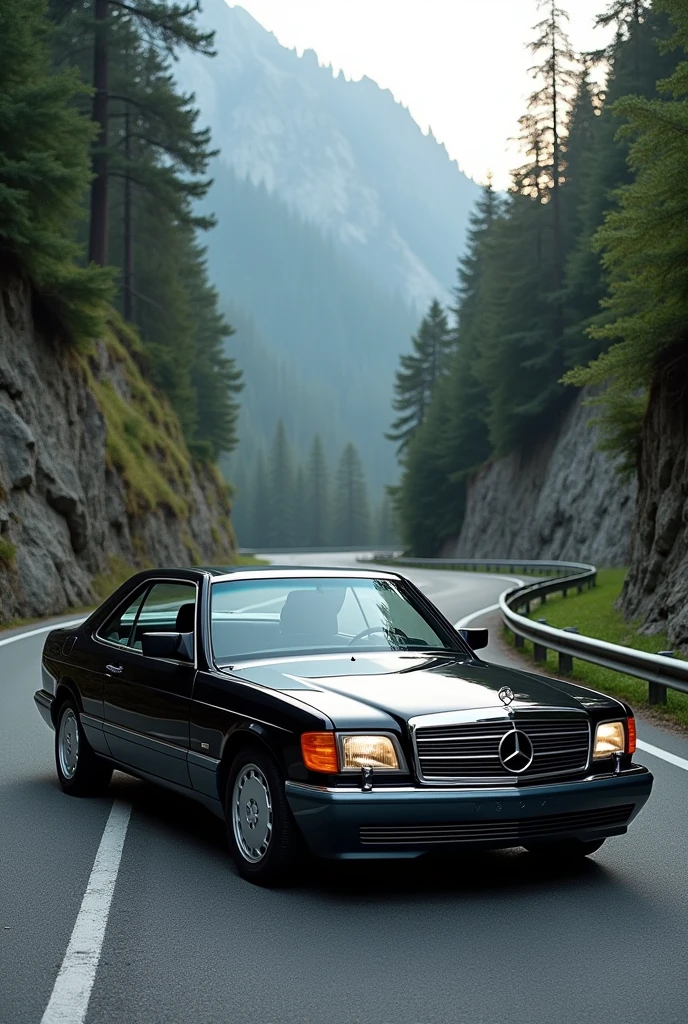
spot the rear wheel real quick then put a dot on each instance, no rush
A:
(567, 850)
(80, 771)
(263, 837)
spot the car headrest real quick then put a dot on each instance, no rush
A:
(186, 618)
(308, 612)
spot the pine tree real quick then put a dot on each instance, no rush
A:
(419, 373)
(386, 527)
(44, 170)
(427, 496)
(242, 505)
(464, 440)
(351, 506)
(644, 241)
(548, 107)
(636, 61)
(318, 510)
(156, 164)
(519, 362)
(300, 534)
(158, 154)
(281, 528)
(167, 26)
(215, 378)
(260, 503)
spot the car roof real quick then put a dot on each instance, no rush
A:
(233, 572)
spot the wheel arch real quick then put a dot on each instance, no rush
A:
(250, 734)
(66, 688)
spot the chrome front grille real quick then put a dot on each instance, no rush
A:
(469, 752)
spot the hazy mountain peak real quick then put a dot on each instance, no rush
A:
(343, 154)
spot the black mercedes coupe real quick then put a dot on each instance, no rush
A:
(335, 711)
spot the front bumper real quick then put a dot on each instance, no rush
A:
(409, 821)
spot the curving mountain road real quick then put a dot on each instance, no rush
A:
(480, 940)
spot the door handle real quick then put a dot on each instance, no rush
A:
(114, 669)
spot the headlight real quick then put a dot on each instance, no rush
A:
(349, 752)
(360, 751)
(610, 738)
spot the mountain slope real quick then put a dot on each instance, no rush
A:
(345, 155)
(317, 340)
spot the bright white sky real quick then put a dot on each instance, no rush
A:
(461, 66)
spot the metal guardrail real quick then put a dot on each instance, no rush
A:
(661, 671)
(313, 551)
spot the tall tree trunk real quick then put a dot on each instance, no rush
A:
(556, 194)
(99, 234)
(128, 225)
(636, 41)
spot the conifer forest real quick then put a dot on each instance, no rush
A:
(114, 194)
(575, 277)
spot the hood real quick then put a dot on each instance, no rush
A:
(403, 685)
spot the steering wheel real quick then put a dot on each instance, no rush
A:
(376, 629)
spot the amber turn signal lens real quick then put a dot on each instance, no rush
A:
(630, 735)
(319, 751)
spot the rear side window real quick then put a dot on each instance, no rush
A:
(118, 629)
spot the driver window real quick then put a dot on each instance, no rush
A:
(168, 608)
(118, 629)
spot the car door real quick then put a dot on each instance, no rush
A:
(146, 700)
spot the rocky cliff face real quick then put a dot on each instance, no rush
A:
(561, 500)
(656, 588)
(93, 469)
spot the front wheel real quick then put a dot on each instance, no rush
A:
(80, 771)
(263, 838)
(569, 850)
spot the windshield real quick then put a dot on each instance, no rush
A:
(272, 616)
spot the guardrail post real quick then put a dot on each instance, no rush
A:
(518, 640)
(657, 693)
(566, 660)
(539, 650)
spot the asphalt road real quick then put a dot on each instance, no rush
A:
(480, 940)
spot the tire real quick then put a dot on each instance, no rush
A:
(80, 771)
(264, 840)
(568, 850)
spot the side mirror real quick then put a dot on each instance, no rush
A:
(168, 645)
(475, 638)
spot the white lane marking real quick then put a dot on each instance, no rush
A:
(72, 991)
(490, 608)
(475, 615)
(434, 595)
(680, 762)
(42, 629)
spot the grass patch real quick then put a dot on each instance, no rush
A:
(250, 560)
(7, 553)
(144, 440)
(118, 572)
(594, 614)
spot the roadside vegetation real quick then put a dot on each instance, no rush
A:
(594, 614)
(576, 276)
(97, 189)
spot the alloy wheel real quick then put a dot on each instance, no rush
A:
(252, 817)
(68, 744)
